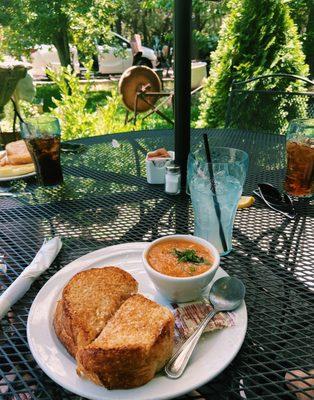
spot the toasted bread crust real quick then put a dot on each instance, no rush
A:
(132, 364)
(88, 301)
(61, 332)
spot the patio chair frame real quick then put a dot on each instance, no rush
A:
(240, 91)
(144, 94)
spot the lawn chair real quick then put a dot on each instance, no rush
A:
(141, 90)
(252, 107)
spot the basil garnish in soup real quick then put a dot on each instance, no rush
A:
(189, 255)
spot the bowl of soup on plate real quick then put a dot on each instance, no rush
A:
(181, 266)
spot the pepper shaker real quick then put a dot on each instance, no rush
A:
(172, 179)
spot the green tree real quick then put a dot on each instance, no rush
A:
(207, 17)
(155, 18)
(302, 13)
(256, 38)
(2, 46)
(309, 39)
(30, 22)
(149, 18)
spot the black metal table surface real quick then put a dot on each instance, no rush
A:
(106, 200)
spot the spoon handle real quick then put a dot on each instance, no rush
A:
(7, 194)
(176, 365)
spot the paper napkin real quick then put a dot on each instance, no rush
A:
(43, 259)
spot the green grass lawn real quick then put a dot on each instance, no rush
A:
(99, 99)
(102, 114)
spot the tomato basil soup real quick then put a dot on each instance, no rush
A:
(180, 258)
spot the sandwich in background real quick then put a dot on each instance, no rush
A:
(16, 160)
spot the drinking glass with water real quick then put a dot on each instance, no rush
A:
(229, 170)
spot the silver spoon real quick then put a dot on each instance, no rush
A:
(7, 194)
(226, 294)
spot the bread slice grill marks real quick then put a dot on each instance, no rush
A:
(135, 343)
(88, 301)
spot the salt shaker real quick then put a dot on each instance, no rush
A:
(172, 179)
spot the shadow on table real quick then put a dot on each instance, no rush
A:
(280, 309)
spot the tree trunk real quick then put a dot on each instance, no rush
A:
(61, 43)
(145, 30)
(134, 18)
(135, 24)
(118, 24)
(196, 26)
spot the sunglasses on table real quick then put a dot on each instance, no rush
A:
(275, 200)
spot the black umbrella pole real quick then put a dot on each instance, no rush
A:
(182, 82)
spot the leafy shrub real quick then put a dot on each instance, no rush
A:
(110, 118)
(47, 93)
(205, 43)
(73, 111)
(27, 110)
(256, 38)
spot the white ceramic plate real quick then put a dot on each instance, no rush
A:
(13, 178)
(214, 352)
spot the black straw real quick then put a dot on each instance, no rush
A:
(213, 187)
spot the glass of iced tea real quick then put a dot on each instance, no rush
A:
(42, 137)
(300, 158)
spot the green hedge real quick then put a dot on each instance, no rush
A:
(256, 38)
(48, 92)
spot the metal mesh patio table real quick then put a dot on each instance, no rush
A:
(106, 200)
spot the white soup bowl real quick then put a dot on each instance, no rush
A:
(182, 289)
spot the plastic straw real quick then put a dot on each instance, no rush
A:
(213, 187)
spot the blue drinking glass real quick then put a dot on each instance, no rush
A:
(230, 168)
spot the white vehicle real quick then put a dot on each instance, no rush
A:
(46, 56)
(111, 61)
